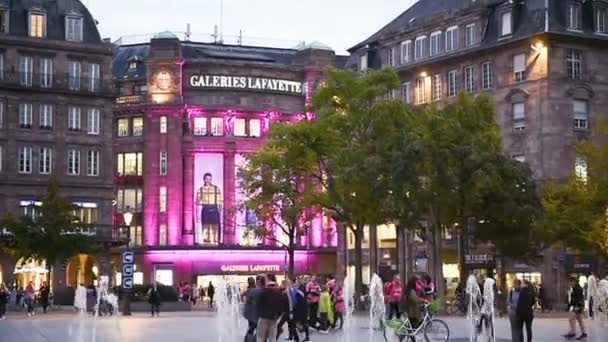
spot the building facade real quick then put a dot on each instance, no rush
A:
(540, 60)
(185, 118)
(55, 121)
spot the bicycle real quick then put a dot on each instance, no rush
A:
(434, 330)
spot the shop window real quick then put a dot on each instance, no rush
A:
(138, 278)
(200, 126)
(129, 164)
(123, 127)
(138, 126)
(255, 128)
(240, 127)
(163, 276)
(217, 127)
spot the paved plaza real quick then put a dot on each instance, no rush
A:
(203, 326)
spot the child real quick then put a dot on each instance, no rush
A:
(325, 312)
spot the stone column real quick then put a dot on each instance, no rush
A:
(373, 249)
(188, 183)
(229, 222)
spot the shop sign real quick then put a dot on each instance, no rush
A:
(581, 263)
(246, 83)
(250, 268)
(478, 259)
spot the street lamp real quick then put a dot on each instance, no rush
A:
(127, 218)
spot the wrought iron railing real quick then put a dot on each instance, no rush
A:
(102, 233)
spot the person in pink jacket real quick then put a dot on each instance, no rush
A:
(340, 305)
(395, 298)
(313, 291)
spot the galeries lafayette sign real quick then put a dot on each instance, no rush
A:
(246, 83)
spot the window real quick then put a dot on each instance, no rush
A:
(4, 20)
(73, 162)
(574, 14)
(1, 63)
(25, 115)
(162, 201)
(93, 163)
(452, 83)
(45, 159)
(519, 116)
(363, 62)
(505, 24)
(30, 208)
(26, 70)
(73, 28)
(581, 114)
(470, 37)
(437, 90)
(1, 114)
(420, 91)
(435, 43)
(163, 125)
(487, 76)
(573, 64)
(133, 65)
(255, 128)
(94, 79)
(217, 126)
(200, 126)
(451, 38)
(129, 199)
(419, 47)
(136, 239)
(46, 116)
(163, 163)
(25, 159)
(93, 121)
(138, 126)
(163, 276)
(162, 236)
(406, 92)
(37, 25)
(519, 67)
(469, 79)
(123, 127)
(46, 72)
(239, 127)
(600, 20)
(129, 164)
(406, 52)
(86, 212)
(74, 119)
(74, 75)
(390, 58)
(581, 170)
(1, 153)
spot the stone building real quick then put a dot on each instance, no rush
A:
(186, 115)
(55, 121)
(541, 62)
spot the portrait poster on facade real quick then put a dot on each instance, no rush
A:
(245, 218)
(209, 198)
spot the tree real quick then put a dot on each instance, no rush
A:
(54, 234)
(277, 183)
(576, 211)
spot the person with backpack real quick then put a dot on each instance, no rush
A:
(154, 299)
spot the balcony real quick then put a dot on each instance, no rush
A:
(62, 82)
(101, 233)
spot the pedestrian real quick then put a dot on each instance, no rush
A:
(154, 299)
(269, 309)
(387, 289)
(340, 306)
(210, 293)
(576, 306)
(313, 291)
(413, 301)
(429, 288)
(44, 292)
(285, 316)
(29, 299)
(251, 298)
(525, 309)
(331, 284)
(300, 312)
(512, 304)
(542, 297)
(201, 294)
(395, 298)
(4, 297)
(325, 312)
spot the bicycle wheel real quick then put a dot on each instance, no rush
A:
(436, 330)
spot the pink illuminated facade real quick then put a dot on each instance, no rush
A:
(186, 116)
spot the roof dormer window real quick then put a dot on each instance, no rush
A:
(3, 18)
(73, 27)
(574, 16)
(506, 24)
(37, 22)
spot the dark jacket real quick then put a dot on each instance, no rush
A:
(527, 299)
(271, 302)
(250, 312)
(4, 295)
(577, 297)
(154, 296)
(300, 307)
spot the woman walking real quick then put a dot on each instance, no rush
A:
(29, 298)
(414, 302)
(4, 296)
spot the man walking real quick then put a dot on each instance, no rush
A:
(524, 311)
(576, 306)
(512, 304)
(270, 307)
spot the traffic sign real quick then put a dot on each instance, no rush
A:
(127, 270)
(127, 283)
(128, 257)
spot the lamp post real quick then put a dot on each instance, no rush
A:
(127, 265)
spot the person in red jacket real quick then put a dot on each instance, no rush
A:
(388, 288)
(313, 291)
(395, 298)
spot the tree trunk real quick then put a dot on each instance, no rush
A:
(438, 262)
(291, 266)
(462, 248)
(358, 259)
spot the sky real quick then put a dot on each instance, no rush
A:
(338, 23)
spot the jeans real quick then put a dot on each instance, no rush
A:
(339, 317)
(313, 309)
(30, 305)
(527, 322)
(267, 330)
(516, 329)
(155, 308)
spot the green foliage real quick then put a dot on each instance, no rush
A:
(54, 235)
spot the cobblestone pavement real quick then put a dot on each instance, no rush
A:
(204, 326)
